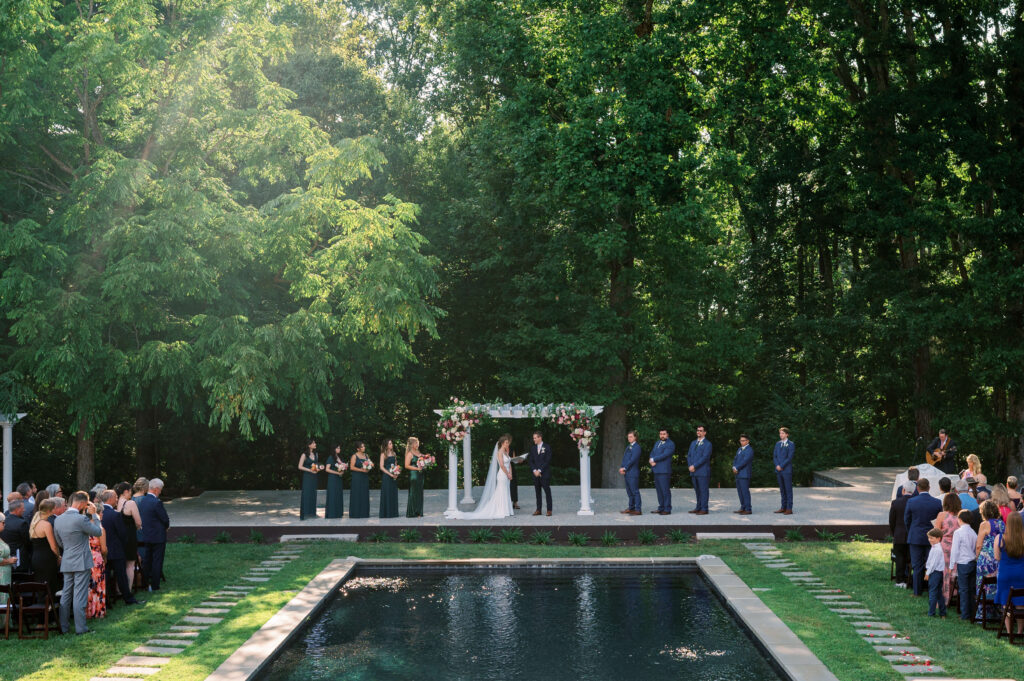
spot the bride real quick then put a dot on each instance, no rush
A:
(496, 502)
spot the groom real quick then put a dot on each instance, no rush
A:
(540, 463)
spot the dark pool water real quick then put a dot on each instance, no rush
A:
(507, 625)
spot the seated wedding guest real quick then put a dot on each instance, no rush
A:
(947, 522)
(935, 570)
(15, 535)
(73, 530)
(921, 511)
(973, 470)
(966, 500)
(913, 475)
(389, 471)
(359, 496)
(963, 561)
(1015, 497)
(116, 536)
(7, 561)
(991, 528)
(45, 553)
(1010, 556)
(898, 529)
(1002, 499)
(132, 520)
(153, 536)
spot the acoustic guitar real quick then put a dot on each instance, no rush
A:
(934, 457)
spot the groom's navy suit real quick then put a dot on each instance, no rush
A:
(699, 456)
(743, 462)
(540, 459)
(631, 462)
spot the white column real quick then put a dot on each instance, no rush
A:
(585, 482)
(453, 478)
(467, 469)
(7, 421)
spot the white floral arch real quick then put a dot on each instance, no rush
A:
(462, 428)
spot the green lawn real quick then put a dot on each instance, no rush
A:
(197, 570)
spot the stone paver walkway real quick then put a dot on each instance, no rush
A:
(148, 658)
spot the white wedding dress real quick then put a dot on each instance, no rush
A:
(496, 500)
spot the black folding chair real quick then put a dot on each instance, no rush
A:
(1011, 615)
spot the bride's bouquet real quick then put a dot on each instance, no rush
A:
(426, 461)
(394, 469)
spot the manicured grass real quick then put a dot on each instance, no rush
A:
(861, 569)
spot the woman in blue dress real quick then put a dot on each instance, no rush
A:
(1010, 554)
(310, 467)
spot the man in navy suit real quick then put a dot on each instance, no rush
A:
(661, 465)
(117, 535)
(153, 536)
(540, 463)
(742, 464)
(782, 457)
(920, 512)
(630, 470)
(698, 458)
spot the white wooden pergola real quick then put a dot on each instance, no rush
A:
(507, 411)
(7, 422)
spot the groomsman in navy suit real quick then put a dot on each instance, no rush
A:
(742, 464)
(782, 457)
(661, 466)
(921, 510)
(698, 458)
(630, 470)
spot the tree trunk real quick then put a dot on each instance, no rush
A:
(86, 445)
(922, 414)
(613, 437)
(147, 456)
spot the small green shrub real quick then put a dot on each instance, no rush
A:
(541, 537)
(256, 537)
(511, 535)
(825, 535)
(187, 539)
(609, 538)
(379, 537)
(859, 537)
(794, 535)
(579, 538)
(482, 535)
(409, 535)
(446, 535)
(646, 536)
(679, 536)
(223, 537)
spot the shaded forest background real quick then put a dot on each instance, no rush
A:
(229, 225)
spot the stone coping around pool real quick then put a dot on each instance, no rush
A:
(785, 649)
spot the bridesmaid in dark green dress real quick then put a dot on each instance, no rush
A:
(336, 467)
(359, 496)
(388, 481)
(414, 508)
(310, 467)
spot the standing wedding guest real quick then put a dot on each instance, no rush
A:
(947, 521)
(943, 452)
(963, 561)
(973, 470)
(918, 516)
(73, 529)
(898, 529)
(540, 464)
(116, 534)
(935, 569)
(15, 535)
(96, 603)
(630, 472)
(388, 480)
(966, 500)
(1002, 499)
(782, 457)
(1011, 490)
(335, 468)
(1010, 556)
(310, 466)
(132, 520)
(989, 532)
(45, 553)
(742, 464)
(913, 475)
(414, 506)
(55, 490)
(28, 491)
(7, 561)
(660, 460)
(359, 497)
(698, 460)
(153, 539)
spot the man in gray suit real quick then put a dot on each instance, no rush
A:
(72, 531)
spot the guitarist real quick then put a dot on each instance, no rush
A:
(941, 453)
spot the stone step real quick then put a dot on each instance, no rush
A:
(897, 649)
(297, 538)
(851, 611)
(188, 627)
(885, 641)
(210, 611)
(272, 563)
(111, 678)
(189, 619)
(157, 650)
(142, 661)
(908, 659)
(779, 566)
(179, 634)
(876, 633)
(256, 579)
(824, 591)
(228, 595)
(133, 671)
(754, 546)
(173, 642)
(833, 597)
(873, 625)
(219, 604)
(918, 669)
(798, 574)
(735, 535)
